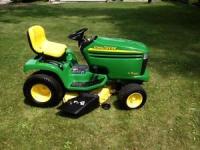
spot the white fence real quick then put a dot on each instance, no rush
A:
(4, 1)
(84, 0)
(54, 1)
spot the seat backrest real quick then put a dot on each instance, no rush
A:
(36, 37)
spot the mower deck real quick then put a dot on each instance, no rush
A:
(80, 105)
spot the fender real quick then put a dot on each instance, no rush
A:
(62, 70)
(35, 64)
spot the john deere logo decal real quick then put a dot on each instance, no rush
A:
(112, 50)
(104, 48)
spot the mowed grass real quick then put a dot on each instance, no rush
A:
(170, 120)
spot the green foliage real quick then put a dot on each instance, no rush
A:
(169, 120)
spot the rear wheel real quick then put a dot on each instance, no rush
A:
(43, 90)
(132, 96)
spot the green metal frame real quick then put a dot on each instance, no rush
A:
(123, 60)
(65, 73)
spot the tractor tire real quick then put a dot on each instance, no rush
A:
(43, 90)
(132, 96)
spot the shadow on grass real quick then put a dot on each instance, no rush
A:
(67, 115)
(171, 31)
(59, 113)
(64, 114)
(29, 103)
(117, 104)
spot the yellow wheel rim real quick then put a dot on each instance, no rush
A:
(134, 100)
(41, 92)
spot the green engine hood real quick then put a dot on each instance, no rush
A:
(117, 46)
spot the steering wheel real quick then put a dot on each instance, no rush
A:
(78, 35)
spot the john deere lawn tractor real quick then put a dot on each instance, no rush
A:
(114, 65)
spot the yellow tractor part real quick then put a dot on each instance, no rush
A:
(104, 94)
(41, 93)
(41, 45)
(69, 96)
(134, 100)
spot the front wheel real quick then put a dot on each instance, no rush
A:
(42, 90)
(132, 96)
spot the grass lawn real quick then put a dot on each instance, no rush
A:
(170, 120)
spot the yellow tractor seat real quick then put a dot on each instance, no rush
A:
(40, 45)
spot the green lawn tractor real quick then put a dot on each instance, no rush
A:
(114, 65)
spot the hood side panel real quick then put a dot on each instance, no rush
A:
(116, 46)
